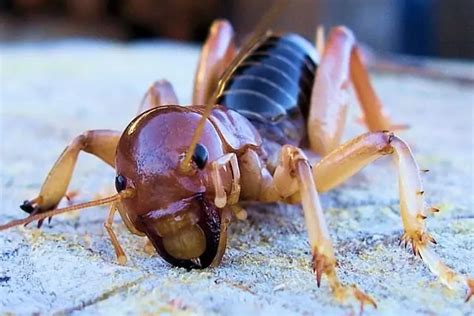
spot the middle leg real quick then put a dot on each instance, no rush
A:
(293, 182)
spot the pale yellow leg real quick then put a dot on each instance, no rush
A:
(294, 180)
(149, 248)
(352, 156)
(160, 93)
(121, 257)
(340, 65)
(320, 40)
(127, 221)
(100, 143)
(217, 53)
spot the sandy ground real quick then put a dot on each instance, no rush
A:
(52, 92)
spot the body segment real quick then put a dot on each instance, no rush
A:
(272, 87)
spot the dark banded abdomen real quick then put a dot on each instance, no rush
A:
(272, 87)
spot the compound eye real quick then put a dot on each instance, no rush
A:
(200, 156)
(120, 183)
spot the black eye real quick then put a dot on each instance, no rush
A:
(200, 156)
(120, 183)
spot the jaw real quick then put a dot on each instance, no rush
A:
(210, 224)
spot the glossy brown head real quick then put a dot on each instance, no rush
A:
(175, 209)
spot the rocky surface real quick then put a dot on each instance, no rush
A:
(52, 92)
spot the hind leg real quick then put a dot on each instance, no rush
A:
(217, 52)
(100, 143)
(341, 65)
(160, 93)
(346, 160)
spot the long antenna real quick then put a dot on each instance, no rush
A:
(260, 30)
(110, 199)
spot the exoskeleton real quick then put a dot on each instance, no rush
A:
(265, 126)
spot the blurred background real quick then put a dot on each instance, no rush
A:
(437, 28)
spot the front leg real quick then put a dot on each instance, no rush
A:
(121, 256)
(100, 143)
(293, 181)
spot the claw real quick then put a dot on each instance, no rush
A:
(363, 299)
(417, 240)
(470, 293)
(434, 210)
(343, 292)
(33, 207)
(321, 264)
(413, 247)
(421, 217)
(40, 223)
(27, 206)
(318, 268)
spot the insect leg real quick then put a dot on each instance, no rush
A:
(352, 156)
(340, 64)
(293, 177)
(320, 40)
(127, 221)
(100, 143)
(217, 53)
(374, 115)
(160, 93)
(121, 257)
(149, 248)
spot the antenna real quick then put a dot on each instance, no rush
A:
(116, 197)
(261, 29)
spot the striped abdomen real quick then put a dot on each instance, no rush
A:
(272, 87)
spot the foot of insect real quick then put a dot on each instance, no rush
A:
(449, 277)
(34, 207)
(470, 291)
(325, 265)
(417, 239)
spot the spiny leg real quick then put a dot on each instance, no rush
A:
(352, 156)
(293, 181)
(340, 64)
(100, 143)
(121, 257)
(217, 53)
(160, 93)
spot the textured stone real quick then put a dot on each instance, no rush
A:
(52, 92)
